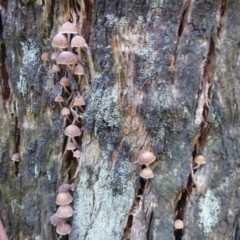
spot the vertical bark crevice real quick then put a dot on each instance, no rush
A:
(5, 77)
(223, 7)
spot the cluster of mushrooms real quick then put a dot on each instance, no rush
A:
(63, 214)
(66, 64)
(171, 60)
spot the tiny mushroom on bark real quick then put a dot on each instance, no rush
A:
(64, 229)
(55, 68)
(64, 211)
(56, 221)
(171, 69)
(64, 187)
(64, 198)
(147, 173)
(70, 146)
(60, 41)
(79, 71)
(145, 158)
(178, 224)
(77, 154)
(68, 28)
(59, 99)
(16, 157)
(67, 58)
(171, 59)
(199, 160)
(54, 55)
(78, 42)
(45, 57)
(73, 131)
(64, 82)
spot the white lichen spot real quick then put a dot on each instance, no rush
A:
(209, 211)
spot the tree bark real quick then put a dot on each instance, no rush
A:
(133, 103)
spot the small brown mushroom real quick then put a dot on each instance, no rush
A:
(68, 28)
(145, 158)
(64, 187)
(56, 221)
(54, 55)
(60, 100)
(79, 71)
(67, 58)
(171, 69)
(73, 131)
(147, 173)
(199, 160)
(171, 59)
(64, 82)
(77, 154)
(178, 224)
(71, 146)
(45, 56)
(55, 68)
(60, 41)
(16, 157)
(78, 42)
(63, 198)
(64, 211)
(64, 229)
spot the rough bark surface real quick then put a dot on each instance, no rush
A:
(133, 103)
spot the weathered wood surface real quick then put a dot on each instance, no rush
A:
(133, 104)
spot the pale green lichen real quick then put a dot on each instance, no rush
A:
(209, 211)
(30, 56)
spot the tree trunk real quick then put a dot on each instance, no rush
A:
(133, 103)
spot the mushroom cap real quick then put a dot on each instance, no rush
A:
(65, 111)
(64, 187)
(71, 146)
(68, 27)
(79, 70)
(78, 101)
(171, 59)
(146, 157)
(64, 211)
(78, 41)
(72, 131)
(55, 68)
(64, 229)
(67, 58)
(77, 154)
(59, 98)
(54, 55)
(56, 221)
(65, 81)
(147, 173)
(45, 56)
(178, 224)
(60, 41)
(171, 68)
(16, 157)
(200, 160)
(63, 198)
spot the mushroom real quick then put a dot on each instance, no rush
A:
(67, 58)
(55, 68)
(64, 82)
(16, 157)
(171, 69)
(73, 131)
(171, 59)
(68, 28)
(60, 41)
(79, 70)
(59, 99)
(54, 55)
(178, 224)
(65, 112)
(78, 101)
(64, 187)
(78, 42)
(64, 198)
(64, 211)
(56, 221)
(147, 173)
(71, 146)
(199, 160)
(145, 158)
(64, 229)
(77, 154)
(45, 58)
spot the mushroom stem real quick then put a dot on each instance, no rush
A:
(68, 38)
(66, 90)
(90, 62)
(78, 168)
(60, 104)
(74, 141)
(79, 80)
(198, 165)
(79, 54)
